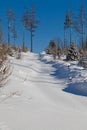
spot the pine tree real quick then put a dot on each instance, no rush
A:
(1, 32)
(72, 53)
(67, 25)
(86, 44)
(25, 23)
(81, 23)
(11, 17)
(30, 23)
(14, 32)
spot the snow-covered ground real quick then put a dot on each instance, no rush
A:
(43, 94)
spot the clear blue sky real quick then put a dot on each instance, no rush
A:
(51, 14)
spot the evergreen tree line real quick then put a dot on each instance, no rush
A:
(75, 36)
(29, 22)
(77, 25)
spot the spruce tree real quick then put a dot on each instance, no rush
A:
(72, 53)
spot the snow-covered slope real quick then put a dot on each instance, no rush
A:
(44, 95)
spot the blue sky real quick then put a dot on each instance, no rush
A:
(51, 14)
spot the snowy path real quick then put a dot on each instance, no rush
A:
(33, 99)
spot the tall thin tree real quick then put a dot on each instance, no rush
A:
(11, 17)
(71, 15)
(30, 24)
(81, 23)
(67, 24)
(1, 32)
(14, 31)
(24, 26)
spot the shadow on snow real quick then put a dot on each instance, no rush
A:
(63, 72)
(77, 88)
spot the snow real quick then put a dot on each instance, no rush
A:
(43, 94)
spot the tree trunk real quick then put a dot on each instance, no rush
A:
(70, 35)
(82, 36)
(64, 37)
(31, 41)
(23, 40)
(8, 33)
